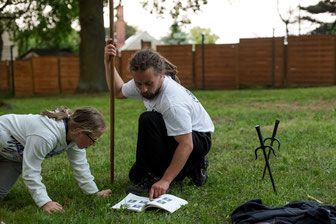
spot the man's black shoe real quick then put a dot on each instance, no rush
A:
(143, 186)
(199, 175)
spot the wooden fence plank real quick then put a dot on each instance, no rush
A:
(125, 58)
(69, 73)
(23, 78)
(4, 78)
(255, 62)
(311, 60)
(46, 80)
(181, 56)
(219, 66)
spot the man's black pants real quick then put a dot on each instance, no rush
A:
(155, 149)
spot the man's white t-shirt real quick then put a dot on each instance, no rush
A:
(180, 109)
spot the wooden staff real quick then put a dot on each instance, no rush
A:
(112, 94)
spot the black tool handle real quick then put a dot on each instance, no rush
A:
(275, 129)
(260, 136)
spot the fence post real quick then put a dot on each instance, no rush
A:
(334, 60)
(273, 60)
(285, 65)
(237, 70)
(12, 70)
(203, 65)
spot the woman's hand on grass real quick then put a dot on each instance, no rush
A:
(104, 193)
(52, 206)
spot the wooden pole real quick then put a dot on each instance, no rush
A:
(112, 95)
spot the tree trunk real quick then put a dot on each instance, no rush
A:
(91, 49)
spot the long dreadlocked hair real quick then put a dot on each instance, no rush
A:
(146, 58)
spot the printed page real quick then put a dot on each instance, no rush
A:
(132, 202)
(168, 202)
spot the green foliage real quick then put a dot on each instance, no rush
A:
(130, 31)
(179, 11)
(176, 36)
(322, 7)
(10, 11)
(326, 28)
(43, 23)
(48, 25)
(305, 164)
(28, 39)
(196, 35)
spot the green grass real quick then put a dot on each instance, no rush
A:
(305, 165)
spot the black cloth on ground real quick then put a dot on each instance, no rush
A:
(299, 212)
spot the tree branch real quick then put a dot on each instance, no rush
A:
(8, 17)
(4, 6)
(17, 13)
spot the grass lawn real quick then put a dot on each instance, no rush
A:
(305, 165)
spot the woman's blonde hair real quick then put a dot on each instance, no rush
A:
(89, 119)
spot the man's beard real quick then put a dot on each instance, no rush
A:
(151, 96)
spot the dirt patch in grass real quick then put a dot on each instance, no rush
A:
(5, 105)
(279, 106)
(222, 120)
(314, 105)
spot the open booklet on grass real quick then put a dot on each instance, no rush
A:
(136, 203)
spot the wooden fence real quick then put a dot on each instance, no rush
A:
(123, 65)
(219, 64)
(182, 57)
(311, 60)
(259, 59)
(4, 76)
(304, 61)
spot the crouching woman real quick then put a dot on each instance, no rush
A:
(26, 140)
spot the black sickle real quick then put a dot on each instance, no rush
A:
(273, 139)
(263, 147)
